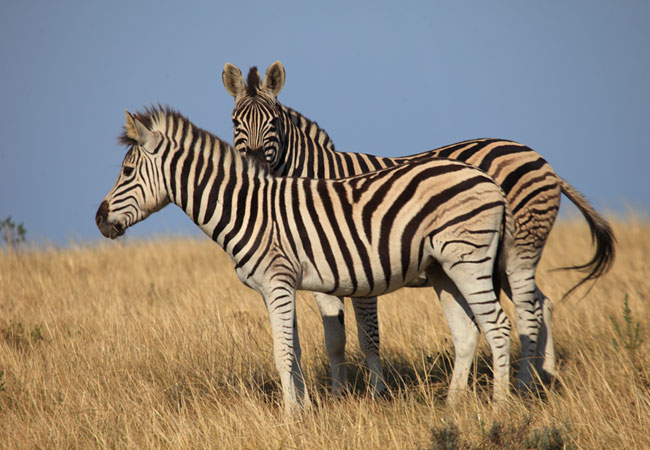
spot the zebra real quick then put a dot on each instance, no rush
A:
(293, 145)
(357, 237)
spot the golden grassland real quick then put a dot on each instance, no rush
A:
(152, 344)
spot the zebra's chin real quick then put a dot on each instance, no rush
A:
(116, 231)
(112, 230)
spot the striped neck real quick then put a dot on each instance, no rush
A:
(207, 178)
(306, 150)
(299, 132)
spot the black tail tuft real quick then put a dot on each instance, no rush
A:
(499, 275)
(601, 234)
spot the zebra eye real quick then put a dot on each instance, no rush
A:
(127, 171)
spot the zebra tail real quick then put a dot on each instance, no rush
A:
(601, 234)
(499, 274)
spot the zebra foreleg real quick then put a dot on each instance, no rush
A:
(365, 311)
(280, 303)
(332, 313)
(296, 367)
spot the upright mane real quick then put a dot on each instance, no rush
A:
(152, 116)
(252, 81)
(305, 124)
(159, 117)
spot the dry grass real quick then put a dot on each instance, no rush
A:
(158, 344)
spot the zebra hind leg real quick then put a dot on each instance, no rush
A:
(545, 354)
(495, 324)
(332, 313)
(365, 311)
(528, 319)
(464, 332)
(472, 274)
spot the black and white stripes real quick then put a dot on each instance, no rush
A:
(357, 237)
(294, 145)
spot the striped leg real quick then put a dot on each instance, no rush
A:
(528, 317)
(280, 303)
(472, 275)
(545, 355)
(464, 332)
(296, 367)
(365, 311)
(494, 322)
(332, 312)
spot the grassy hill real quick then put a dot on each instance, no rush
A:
(158, 344)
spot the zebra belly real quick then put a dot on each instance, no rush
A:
(348, 285)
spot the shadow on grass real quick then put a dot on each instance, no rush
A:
(406, 376)
(433, 372)
(517, 435)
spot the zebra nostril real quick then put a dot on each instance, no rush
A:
(102, 213)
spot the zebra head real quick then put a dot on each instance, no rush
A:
(140, 188)
(256, 117)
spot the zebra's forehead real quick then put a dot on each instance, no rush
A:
(261, 99)
(261, 104)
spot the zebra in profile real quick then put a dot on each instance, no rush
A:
(358, 237)
(295, 146)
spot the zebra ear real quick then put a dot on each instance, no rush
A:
(137, 131)
(233, 81)
(274, 78)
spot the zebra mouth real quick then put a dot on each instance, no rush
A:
(117, 230)
(107, 227)
(111, 230)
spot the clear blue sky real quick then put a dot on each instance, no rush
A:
(569, 78)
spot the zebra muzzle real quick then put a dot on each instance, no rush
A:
(108, 229)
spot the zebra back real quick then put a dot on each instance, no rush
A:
(294, 145)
